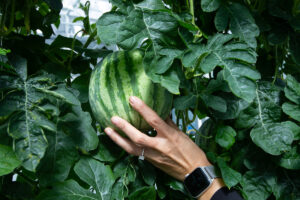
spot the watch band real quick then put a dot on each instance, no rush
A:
(211, 171)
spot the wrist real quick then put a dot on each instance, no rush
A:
(215, 186)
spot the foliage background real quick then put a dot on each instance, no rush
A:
(234, 61)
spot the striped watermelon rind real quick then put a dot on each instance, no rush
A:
(116, 78)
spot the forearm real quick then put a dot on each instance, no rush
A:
(216, 185)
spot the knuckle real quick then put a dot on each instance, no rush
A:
(140, 106)
(131, 151)
(155, 121)
(121, 125)
(140, 140)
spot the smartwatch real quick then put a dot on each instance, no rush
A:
(199, 180)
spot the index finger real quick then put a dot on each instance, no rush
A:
(149, 115)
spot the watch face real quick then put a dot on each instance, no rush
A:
(196, 182)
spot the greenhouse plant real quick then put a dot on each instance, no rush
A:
(233, 65)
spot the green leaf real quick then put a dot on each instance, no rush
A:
(107, 24)
(29, 139)
(143, 193)
(185, 102)
(169, 80)
(20, 65)
(257, 186)
(30, 105)
(292, 90)
(210, 5)
(229, 175)
(238, 78)
(8, 160)
(292, 110)
(234, 106)
(81, 84)
(4, 51)
(148, 172)
(215, 102)
(264, 109)
(294, 128)
(236, 59)
(61, 92)
(294, 44)
(68, 190)
(125, 169)
(273, 138)
(96, 174)
(125, 172)
(59, 157)
(222, 18)
(225, 136)
(241, 23)
(291, 159)
(151, 4)
(77, 124)
(134, 26)
(108, 151)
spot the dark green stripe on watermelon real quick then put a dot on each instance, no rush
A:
(121, 91)
(113, 63)
(97, 86)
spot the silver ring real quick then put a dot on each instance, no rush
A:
(141, 157)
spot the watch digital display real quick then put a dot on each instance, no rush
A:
(196, 182)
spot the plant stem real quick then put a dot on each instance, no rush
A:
(12, 17)
(90, 39)
(276, 64)
(192, 11)
(71, 57)
(31, 182)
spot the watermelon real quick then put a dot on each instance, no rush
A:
(116, 78)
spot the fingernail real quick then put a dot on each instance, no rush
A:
(115, 120)
(108, 131)
(133, 100)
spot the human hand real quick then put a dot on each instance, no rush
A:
(170, 150)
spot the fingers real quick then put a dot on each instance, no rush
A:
(149, 115)
(135, 135)
(124, 143)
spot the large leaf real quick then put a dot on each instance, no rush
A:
(78, 124)
(210, 5)
(107, 150)
(240, 21)
(59, 158)
(185, 102)
(264, 109)
(96, 174)
(68, 190)
(229, 175)
(8, 160)
(29, 115)
(236, 59)
(292, 90)
(292, 110)
(265, 113)
(274, 138)
(291, 159)
(131, 27)
(295, 47)
(257, 186)
(125, 172)
(143, 193)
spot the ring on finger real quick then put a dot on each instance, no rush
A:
(142, 157)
